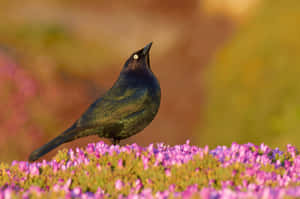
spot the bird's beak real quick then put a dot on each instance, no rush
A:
(146, 49)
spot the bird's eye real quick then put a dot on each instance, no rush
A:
(135, 56)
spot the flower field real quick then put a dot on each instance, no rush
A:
(157, 171)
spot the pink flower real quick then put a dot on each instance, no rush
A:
(119, 184)
(205, 193)
(168, 172)
(76, 191)
(120, 163)
(145, 162)
(34, 170)
(7, 193)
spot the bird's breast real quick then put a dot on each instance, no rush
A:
(145, 109)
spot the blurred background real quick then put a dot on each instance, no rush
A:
(229, 70)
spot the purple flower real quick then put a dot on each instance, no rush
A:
(264, 173)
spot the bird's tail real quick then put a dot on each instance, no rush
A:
(66, 136)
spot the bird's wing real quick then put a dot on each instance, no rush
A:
(111, 109)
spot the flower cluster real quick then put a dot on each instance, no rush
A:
(161, 171)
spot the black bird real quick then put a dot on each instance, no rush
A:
(124, 110)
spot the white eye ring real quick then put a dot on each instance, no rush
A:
(135, 56)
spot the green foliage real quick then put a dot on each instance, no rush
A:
(59, 43)
(253, 92)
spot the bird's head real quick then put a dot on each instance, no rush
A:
(139, 60)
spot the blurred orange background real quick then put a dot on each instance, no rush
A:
(57, 57)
